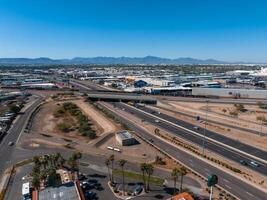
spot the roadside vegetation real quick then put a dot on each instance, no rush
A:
(44, 172)
(84, 125)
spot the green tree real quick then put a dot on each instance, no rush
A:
(35, 181)
(122, 162)
(149, 171)
(107, 163)
(112, 159)
(143, 167)
(183, 172)
(175, 174)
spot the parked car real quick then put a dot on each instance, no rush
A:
(157, 121)
(90, 195)
(138, 190)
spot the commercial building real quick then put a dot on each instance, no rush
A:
(124, 138)
(230, 92)
(67, 191)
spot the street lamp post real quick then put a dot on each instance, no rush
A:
(204, 137)
(260, 133)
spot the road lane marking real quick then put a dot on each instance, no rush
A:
(225, 180)
(250, 194)
(228, 187)
(199, 135)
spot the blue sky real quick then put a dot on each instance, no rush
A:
(231, 30)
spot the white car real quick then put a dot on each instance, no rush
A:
(157, 121)
(10, 143)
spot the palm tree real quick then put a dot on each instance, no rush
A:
(175, 174)
(35, 181)
(36, 160)
(44, 161)
(143, 167)
(183, 172)
(72, 164)
(58, 156)
(107, 162)
(149, 171)
(77, 156)
(112, 159)
(122, 162)
(61, 161)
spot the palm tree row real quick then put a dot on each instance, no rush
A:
(176, 172)
(46, 166)
(147, 171)
(110, 165)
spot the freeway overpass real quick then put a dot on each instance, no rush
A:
(113, 96)
(120, 97)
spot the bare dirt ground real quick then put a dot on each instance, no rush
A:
(46, 133)
(147, 154)
(102, 123)
(242, 136)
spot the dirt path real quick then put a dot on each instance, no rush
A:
(106, 125)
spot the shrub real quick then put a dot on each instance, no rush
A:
(64, 127)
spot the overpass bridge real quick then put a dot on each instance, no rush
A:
(120, 97)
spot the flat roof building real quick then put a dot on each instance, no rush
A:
(67, 191)
(125, 138)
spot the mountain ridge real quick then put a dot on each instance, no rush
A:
(113, 60)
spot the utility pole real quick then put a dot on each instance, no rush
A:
(260, 133)
(204, 137)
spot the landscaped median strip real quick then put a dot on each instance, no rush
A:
(138, 177)
(207, 138)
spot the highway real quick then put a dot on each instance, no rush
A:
(14, 133)
(214, 121)
(229, 153)
(230, 183)
(198, 140)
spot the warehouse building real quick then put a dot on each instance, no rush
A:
(124, 138)
(230, 92)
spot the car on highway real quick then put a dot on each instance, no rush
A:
(254, 164)
(156, 120)
(243, 162)
(10, 143)
(196, 127)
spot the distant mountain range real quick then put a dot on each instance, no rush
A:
(108, 60)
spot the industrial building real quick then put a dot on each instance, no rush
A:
(124, 138)
(230, 92)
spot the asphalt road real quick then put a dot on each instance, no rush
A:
(217, 148)
(13, 135)
(230, 183)
(219, 123)
(237, 187)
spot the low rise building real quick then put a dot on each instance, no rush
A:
(124, 138)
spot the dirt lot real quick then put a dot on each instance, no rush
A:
(132, 151)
